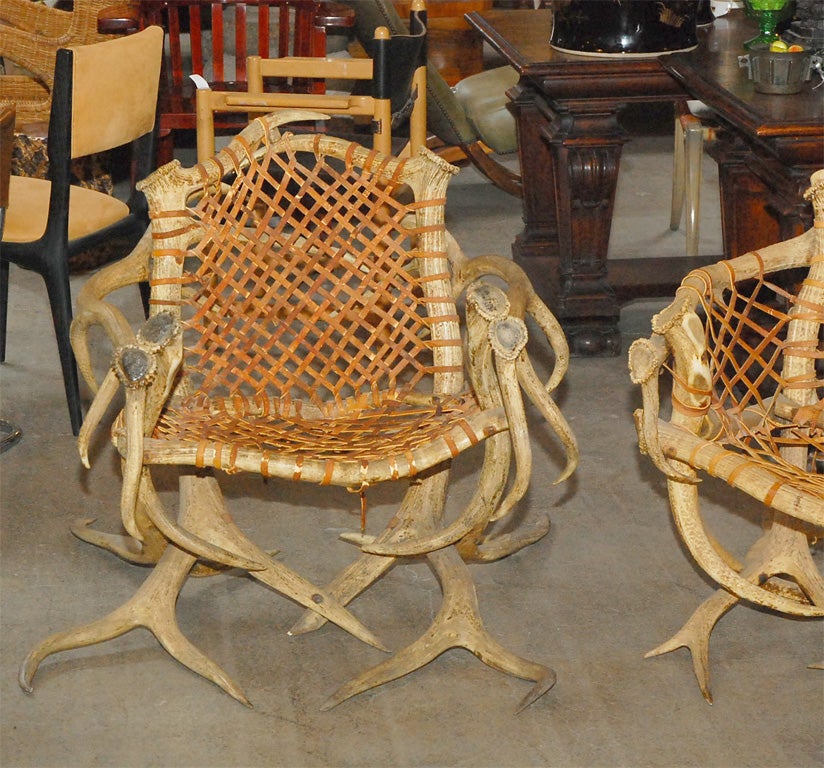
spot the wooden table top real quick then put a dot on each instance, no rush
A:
(712, 74)
(522, 38)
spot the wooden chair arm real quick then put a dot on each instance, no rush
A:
(331, 15)
(119, 19)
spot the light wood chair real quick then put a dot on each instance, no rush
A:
(305, 327)
(214, 38)
(742, 345)
(695, 126)
(394, 78)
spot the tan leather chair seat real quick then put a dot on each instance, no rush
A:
(89, 210)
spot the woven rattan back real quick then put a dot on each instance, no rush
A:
(316, 272)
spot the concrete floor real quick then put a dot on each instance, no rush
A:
(608, 583)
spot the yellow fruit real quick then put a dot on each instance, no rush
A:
(779, 46)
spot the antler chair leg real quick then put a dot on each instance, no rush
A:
(780, 551)
(151, 607)
(368, 568)
(145, 552)
(458, 623)
(477, 547)
(215, 525)
(474, 546)
(202, 515)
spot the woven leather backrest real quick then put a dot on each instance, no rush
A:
(311, 280)
(765, 341)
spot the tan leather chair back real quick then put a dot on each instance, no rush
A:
(107, 109)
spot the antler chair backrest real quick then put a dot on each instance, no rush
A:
(387, 319)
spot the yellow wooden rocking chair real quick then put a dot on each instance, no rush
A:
(304, 326)
(744, 346)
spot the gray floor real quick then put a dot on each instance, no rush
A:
(608, 583)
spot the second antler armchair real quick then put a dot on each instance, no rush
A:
(305, 327)
(743, 346)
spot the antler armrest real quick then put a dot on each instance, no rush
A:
(147, 370)
(500, 316)
(678, 338)
(522, 301)
(146, 367)
(646, 358)
(150, 365)
(93, 310)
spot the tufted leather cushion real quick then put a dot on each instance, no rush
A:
(483, 97)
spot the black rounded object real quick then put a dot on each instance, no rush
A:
(624, 27)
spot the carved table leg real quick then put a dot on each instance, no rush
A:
(570, 163)
(762, 201)
(586, 151)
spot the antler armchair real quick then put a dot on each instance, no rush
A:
(742, 344)
(304, 326)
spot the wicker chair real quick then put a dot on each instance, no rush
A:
(30, 35)
(742, 343)
(304, 327)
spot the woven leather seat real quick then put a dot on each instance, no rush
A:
(389, 435)
(305, 325)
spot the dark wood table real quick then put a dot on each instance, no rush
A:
(769, 144)
(570, 142)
